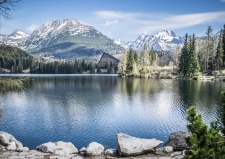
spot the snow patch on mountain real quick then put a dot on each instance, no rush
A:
(121, 43)
(165, 40)
(17, 38)
(18, 34)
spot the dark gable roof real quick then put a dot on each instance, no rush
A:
(110, 56)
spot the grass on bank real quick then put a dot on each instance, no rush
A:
(13, 83)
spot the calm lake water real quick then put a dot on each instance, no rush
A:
(86, 108)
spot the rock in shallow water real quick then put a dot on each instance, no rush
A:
(133, 146)
(94, 149)
(177, 140)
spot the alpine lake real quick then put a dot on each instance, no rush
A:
(86, 108)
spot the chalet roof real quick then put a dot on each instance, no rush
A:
(109, 56)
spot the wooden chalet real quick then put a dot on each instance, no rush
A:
(107, 58)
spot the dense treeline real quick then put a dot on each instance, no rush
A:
(64, 67)
(189, 63)
(205, 54)
(208, 58)
(16, 60)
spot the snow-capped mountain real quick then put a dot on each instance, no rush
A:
(55, 32)
(121, 43)
(63, 39)
(17, 38)
(165, 40)
(18, 34)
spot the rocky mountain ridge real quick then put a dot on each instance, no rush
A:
(165, 40)
(64, 40)
(70, 39)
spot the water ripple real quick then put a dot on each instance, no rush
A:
(83, 109)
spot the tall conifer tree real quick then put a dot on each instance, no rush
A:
(130, 62)
(183, 57)
(144, 60)
(122, 66)
(219, 51)
(224, 44)
(194, 57)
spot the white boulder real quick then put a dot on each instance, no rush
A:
(58, 148)
(133, 146)
(48, 147)
(10, 141)
(83, 149)
(94, 149)
(11, 146)
(67, 146)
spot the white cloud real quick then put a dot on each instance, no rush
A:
(107, 23)
(32, 27)
(131, 22)
(222, 0)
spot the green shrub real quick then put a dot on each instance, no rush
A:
(204, 143)
(195, 78)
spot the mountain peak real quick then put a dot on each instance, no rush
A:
(71, 21)
(165, 40)
(18, 34)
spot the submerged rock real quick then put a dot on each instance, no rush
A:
(58, 148)
(177, 140)
(94, 149)
(9, 141)
(133, 146)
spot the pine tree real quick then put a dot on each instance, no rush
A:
(184, 57)
(152, 56)
(98, 69)
(224, 44)
(131, 67)
(122, 66)
(219, 51)
(135, 57)
(188, 62)
(223, 114)
(209, 48)
(194, 63)
(130, 61)
(144, 60)
(204, 142)
(135, 69)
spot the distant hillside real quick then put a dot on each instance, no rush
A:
(15, 59)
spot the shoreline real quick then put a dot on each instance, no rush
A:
(200, 78)
(128, 147)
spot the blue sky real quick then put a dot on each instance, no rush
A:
(124, 19)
